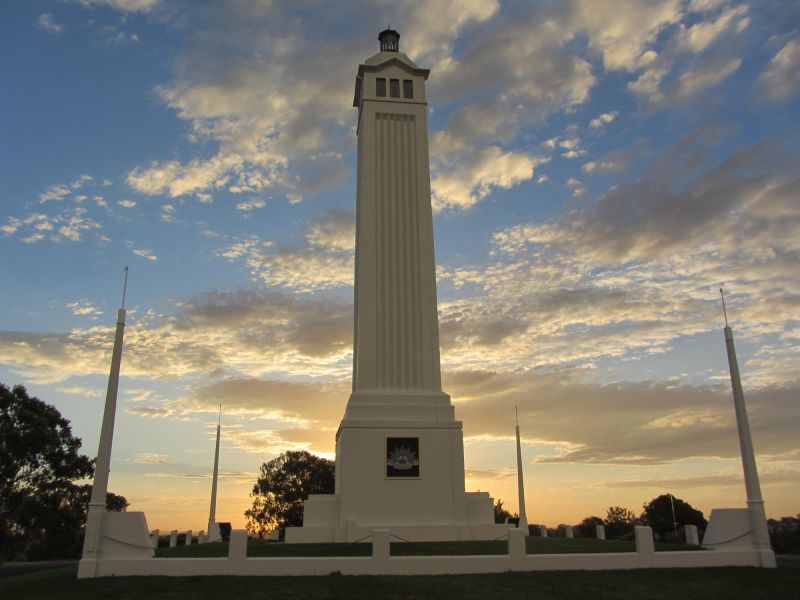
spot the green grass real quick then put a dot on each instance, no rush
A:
(651, 584)
(534, 545)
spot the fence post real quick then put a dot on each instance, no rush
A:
(691, 535)
(237, 547)
(644, 540)
(516, 545)
(380, 545)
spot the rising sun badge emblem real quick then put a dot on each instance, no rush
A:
(402, 459)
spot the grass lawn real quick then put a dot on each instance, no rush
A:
(535, 545)
(655, 584)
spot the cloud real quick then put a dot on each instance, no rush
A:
(616, 161)
(693, 58)
(55, 192)
(247, 333)
(47, 23)
(657, 214)
(142, 6)
(76, 390)
(32, 239)
(333, 230)
(620, 429)
(175, 179)
(636, 271)
(57, 220)
(781, 79)
(84, 308)
(150, 458)
(75, 225)
(309, 269)
(145, 253)
(263, 415)
(465, 177)
(698, 37)
(705, 481)
(271, 116)
(168, 212)
(112, 35)
(603, 119)
(706, 75)
(275, 111)
(251, 205)
(127, 203)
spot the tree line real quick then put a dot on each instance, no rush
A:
(665, 515)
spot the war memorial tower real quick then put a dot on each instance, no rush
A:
(399, 448)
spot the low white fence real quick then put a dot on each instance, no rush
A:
(381, 563)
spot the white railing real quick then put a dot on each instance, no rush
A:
(382, 563)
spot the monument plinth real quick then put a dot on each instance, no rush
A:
(399, 448)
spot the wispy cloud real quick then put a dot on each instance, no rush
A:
(781, 79)
(145, 253)
(47, 23)
(84, 308)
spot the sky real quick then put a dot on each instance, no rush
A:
(598, 170)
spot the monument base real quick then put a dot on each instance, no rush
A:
(125, 536)
(398, 533)
(731, 530)
(404, 473)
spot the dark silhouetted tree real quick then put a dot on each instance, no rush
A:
(784, 535)
(42, 510)
(588, 527)
(500, 513)
(658, 515)
(284, 483)
(619, 523)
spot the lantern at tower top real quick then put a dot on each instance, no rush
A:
(390, 40)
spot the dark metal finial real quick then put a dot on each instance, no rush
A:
(724, 312)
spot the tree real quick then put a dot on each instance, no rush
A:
(284, 483)
(588, 527)
(658, 515)
(42, 510)
(619, 522)
(501, 514)
(784, 535)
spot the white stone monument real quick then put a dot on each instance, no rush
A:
(523, 519)
(399, 448)
(568, 531)
(214, 534)
(741, 528)
(111, 535)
